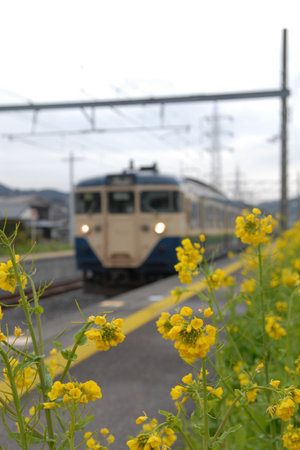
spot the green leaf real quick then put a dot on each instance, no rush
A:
(202, 296)
(240, 439)
(226, 433)
(32, 438)
(237, 392)
(28, 362)
(84, 422)
(33, 357)
(211, 404)
(178, 426)
(37, 310)
(58, 345)
(66, 354)
(83, 339)
(200, 428)
(16, 437)
(164, 413)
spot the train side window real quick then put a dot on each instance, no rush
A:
(121, 202)
(160, 201)
(195, 215)
(87, 202)
(209, 216)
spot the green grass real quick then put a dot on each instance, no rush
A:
(24, 248)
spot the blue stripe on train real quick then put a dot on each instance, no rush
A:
(85, 257)
(161, 259)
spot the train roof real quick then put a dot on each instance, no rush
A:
(132, 177)
(151, 176)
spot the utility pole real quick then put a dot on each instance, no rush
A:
(71, 161)
(284, 200)
(298, 196)
(237, 191)
(215, 149)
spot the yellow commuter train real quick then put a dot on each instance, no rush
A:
(128, 225)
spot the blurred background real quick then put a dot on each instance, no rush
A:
(97, 50)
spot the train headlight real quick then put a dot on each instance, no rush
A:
(85, 229)
(159, 228)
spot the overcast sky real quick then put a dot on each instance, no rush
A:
(77, 50)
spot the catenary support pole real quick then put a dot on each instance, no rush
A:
(284, 200)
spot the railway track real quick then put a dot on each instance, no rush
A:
(61, 288)
(51, 291)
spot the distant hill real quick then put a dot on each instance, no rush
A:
(52, 195)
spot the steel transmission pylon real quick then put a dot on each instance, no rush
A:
(214, 135)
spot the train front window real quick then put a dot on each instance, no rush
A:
(160, 201)
(121, 202)
(87, 203)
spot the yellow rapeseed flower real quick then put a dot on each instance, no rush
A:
(50, 405)
(252, 230)
(251, 395)
(285, 409)
(141, 419)
(8, 281)
(100, 320)
(108, 335)
(18, 332)
(291, 439)
(196, 323)
(186, 311)
(273, 328)
(176, 392)
(290, 278)
(208, 312)
(217, 392)
(189, 258)
(281, 306)
(91, 443)
(259, 367)
(2, 336)
(187, 379)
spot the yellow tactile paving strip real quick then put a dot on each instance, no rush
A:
(136, 320)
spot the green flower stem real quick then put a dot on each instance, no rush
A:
(205, 407)
(72, 429)
(14, 413)
(265, 342)
(222, 319)
(265, 388)
(288, 330)
(72, 426)
(222, 424)
(15, 350)
(41, 368)
(84, 328)
(266, 362)
(16, 398)
(38, 319)
(186, 439)
(246, 408)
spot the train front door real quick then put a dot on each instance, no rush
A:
(121, 234)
